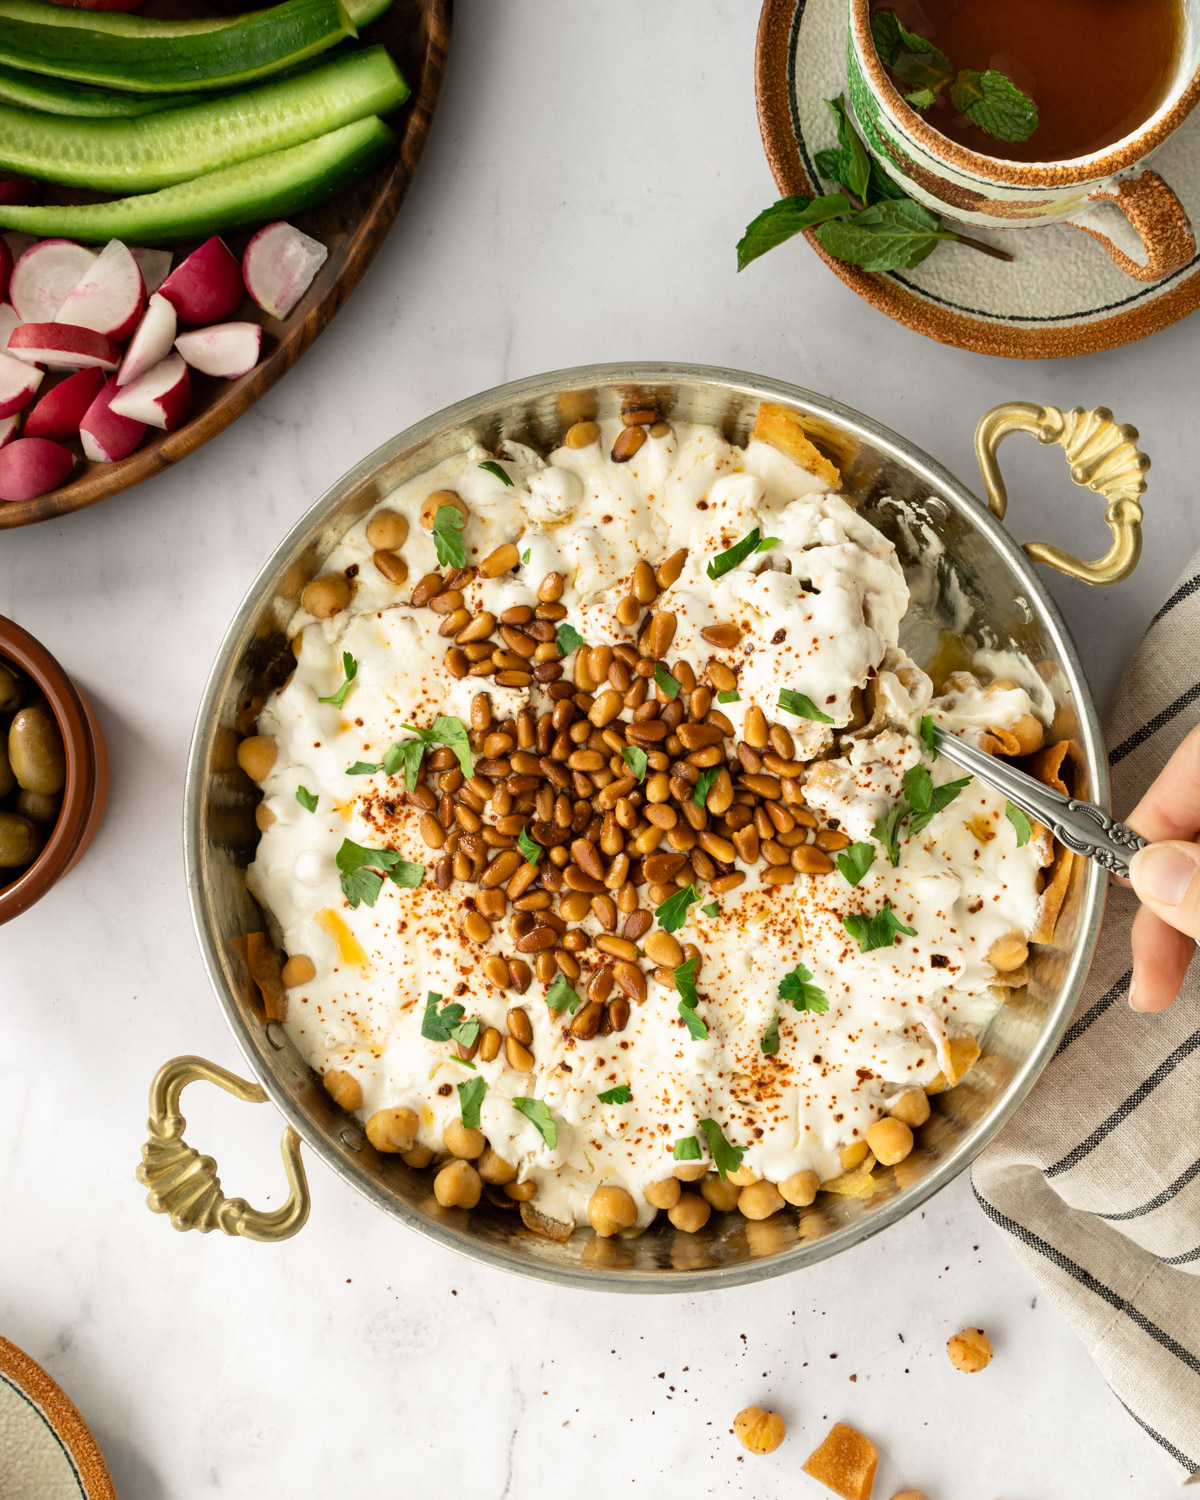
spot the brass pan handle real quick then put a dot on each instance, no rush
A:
(185, 1185)
(1103, 456)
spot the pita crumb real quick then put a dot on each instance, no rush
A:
(845, 1463)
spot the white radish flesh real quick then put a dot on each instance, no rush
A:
(18, 384)
(152, 341)
(107, 436)
(109, 296)
(154, 266)
(9, 427)
(279, 265)
(58, 414)
(44, 276)
(226, 349)
(162, 397)
(62, 346)
(32, 466)
(207, 286)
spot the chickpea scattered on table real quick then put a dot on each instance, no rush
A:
(33, 772)
(759, 1431)
(970, 1351)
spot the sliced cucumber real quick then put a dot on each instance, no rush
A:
(267, 187)
(55, 96)
(173, 145)
(363, 12)
(118, 50)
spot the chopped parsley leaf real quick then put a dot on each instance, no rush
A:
(664, 681)
(536, 1111)
(733, 696)
(855, 861)
(349, 672)
(726, 1158)
(307, 800)
(687, 1148)
(622, 1094)
(470, 1097)
(797, 988)
(929, 736)
(568, 639)
(878, 931)
(770, 1038)
(713, 909)
(802, 706)
(704, 785)
(448, 523)
(1018, 820)
(493, 467)
(672, 913)
(636, 759)
(360, 871)
(887, 831)
(560, 995)
(529, 847)
(753, 541)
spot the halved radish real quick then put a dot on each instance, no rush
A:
(62, 346)
(44, 275)
(109, 296)
(9, 427)
(32, 466)
(9, 321)
(60, 411)
(207, 287)
(106, 436)
(228, 349)
(162, 397)
(6, 265)
(152, 342)
(153, 264)
(18, 384)
(279, 265)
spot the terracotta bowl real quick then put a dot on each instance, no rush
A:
(86, 790)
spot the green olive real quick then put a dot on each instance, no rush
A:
(39, 808)
(7, 779)
(19, 840)
(35, 749)
(10, 689)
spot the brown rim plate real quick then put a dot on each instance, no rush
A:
(1061, 295)
(47, 1451)
(353, 225)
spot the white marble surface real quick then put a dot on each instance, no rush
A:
(588, 176)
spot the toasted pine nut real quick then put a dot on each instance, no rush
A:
(390, 564)
(670, 568)
(582, 435)
(502, 560)
(629, 440)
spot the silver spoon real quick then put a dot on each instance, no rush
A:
(1081, 826)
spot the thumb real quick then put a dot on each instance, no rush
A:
(1166, 877)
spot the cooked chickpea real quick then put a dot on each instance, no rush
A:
(853, 1155)
(326, 596)
(417, 1156)
(343, 1089)
(463, 1141)
(722, 1196)
(662, 1194)
(909, 1495)
(610, 1210)
(691, 1171)
(520, 1192)
(690, 1214)
(1029, 733)
(256, 755)
(760, 1200)
(457, 1185)
(264, 818)
(743, 1177)
(759, 1431)
(299, 969)
(1008, 952)
(434, 502)
(800, 1188)
(912, 1106)
(890, 1139)
(387, 529)
(970, 1350)
(492, 1167)
(393, 1130)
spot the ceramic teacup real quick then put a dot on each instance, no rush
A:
(1148, 238)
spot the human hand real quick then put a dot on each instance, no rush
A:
(1166, 877)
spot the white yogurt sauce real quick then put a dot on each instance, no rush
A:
(820, 613)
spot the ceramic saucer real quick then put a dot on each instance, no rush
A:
(1060, 296)
(46, 1450)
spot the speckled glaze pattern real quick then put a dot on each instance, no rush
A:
(71, 1463)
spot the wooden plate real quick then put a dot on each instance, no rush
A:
(46, 1449)
(353, 226)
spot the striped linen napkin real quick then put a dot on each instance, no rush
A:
(1096, 1181)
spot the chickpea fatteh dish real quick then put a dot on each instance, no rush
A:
(608, 862)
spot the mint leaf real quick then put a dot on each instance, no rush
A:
(929, 736)
(664, 681)
(493, 467)
(712, 909)
(560, 995)
(568, 639)
(785, 218)
(622, 1094)
(993, 102)
(887, 831)
(837, 164)
(890, 236)
(913, 59)
(306, 799)
(536, 1110)
(687, 1148)
(435, 1024)
(1020, 822)
(770, 1038)
(854, 162)
(855, 861)
(797, 988)
(939, 798)
(529, 847)
(704, 785)
(636, 759)
(672, 913)
(803, 707)
(470, 1097)
(733, 696)
(350, 672)
(725, 561)
(685, 983)
(726, 1158)
(448, 523)
(878, 931)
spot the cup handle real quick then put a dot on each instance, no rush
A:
(1157, 218)
(185, 1185)
(1104, 457)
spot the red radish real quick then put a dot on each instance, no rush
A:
(9, 321)
(60, 411)
(152, 342)
(62, 346)
(9, 427)
(109, 296)
(228, 349)
(31, 466)
(106, 436)
(153, 264)
(18, 384)
(6, 265)
(19, 190)
(206, 287)
(279, 265)
(44, 275)
(162, 397)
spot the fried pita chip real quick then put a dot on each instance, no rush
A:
(856, 1184)
(540, 1223)
(265, 963)
(783, 428)
(845, 1463)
